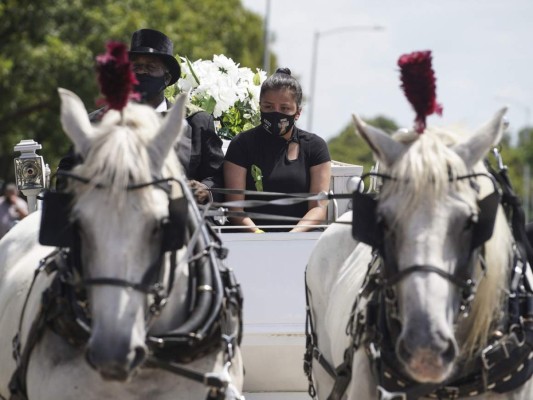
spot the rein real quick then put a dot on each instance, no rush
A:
(220, 209)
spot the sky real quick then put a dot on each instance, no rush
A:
(482, 56)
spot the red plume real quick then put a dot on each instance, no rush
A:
(115, 76)
(418, 84)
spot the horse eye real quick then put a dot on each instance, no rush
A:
(470, 222)
(156, 230)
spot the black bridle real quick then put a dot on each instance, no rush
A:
(367, 227)
(57, 229)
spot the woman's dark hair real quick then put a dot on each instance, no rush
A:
(282, 79)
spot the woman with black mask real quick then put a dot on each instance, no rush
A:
(277, 156)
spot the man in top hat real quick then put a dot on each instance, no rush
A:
(154, 64)
(200, 149)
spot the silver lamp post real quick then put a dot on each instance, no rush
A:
(30, 171)
(314, 60)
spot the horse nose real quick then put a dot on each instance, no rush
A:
(429, 357)
(446, 349)
(115, 366)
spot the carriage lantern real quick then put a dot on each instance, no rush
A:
(30, 171)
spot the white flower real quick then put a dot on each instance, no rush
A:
(226, 65)
(221, 87)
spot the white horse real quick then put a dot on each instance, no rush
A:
(421, 309)
(138, 308)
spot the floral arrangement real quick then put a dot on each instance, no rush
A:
(222, 88)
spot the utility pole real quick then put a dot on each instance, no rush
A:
(314, 61)
(266, 40)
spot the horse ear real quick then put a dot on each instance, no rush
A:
(475, 148)
(75, 120)
(170, 131)
(385, 148)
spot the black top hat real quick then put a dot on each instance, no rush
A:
(152, 42)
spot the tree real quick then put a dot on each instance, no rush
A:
(53, 43)
(519, 160)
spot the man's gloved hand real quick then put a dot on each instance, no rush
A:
(200, 191)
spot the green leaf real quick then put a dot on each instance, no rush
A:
(257, 174)
(192, 70)
(208, 104)
(178, 59)
(247, 126)
(171, 92)
(257, 79)
(225, 133)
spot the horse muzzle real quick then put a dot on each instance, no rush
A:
(116, 364)
(427, 357)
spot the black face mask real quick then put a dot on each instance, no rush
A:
(277, 123)
(150, 86)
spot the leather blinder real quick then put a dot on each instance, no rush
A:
(58, 230)
(365, 226)
(175, 226)
(484, 227)
(56, 227)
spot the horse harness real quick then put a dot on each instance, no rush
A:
(505, 363)
(214, 297)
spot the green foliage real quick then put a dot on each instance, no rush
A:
(53, 43)
(230, 121)
(235, 122)
(519, 161)
(348, 147)
(208, 104)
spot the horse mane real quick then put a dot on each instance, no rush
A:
(429, 158)
(120, 153)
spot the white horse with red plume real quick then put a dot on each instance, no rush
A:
(132, 300)
(431, 297)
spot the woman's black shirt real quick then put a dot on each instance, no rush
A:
(279, 174)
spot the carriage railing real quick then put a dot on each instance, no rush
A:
(345, 178)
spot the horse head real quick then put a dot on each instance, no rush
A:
(428, 211)
(119, 216)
